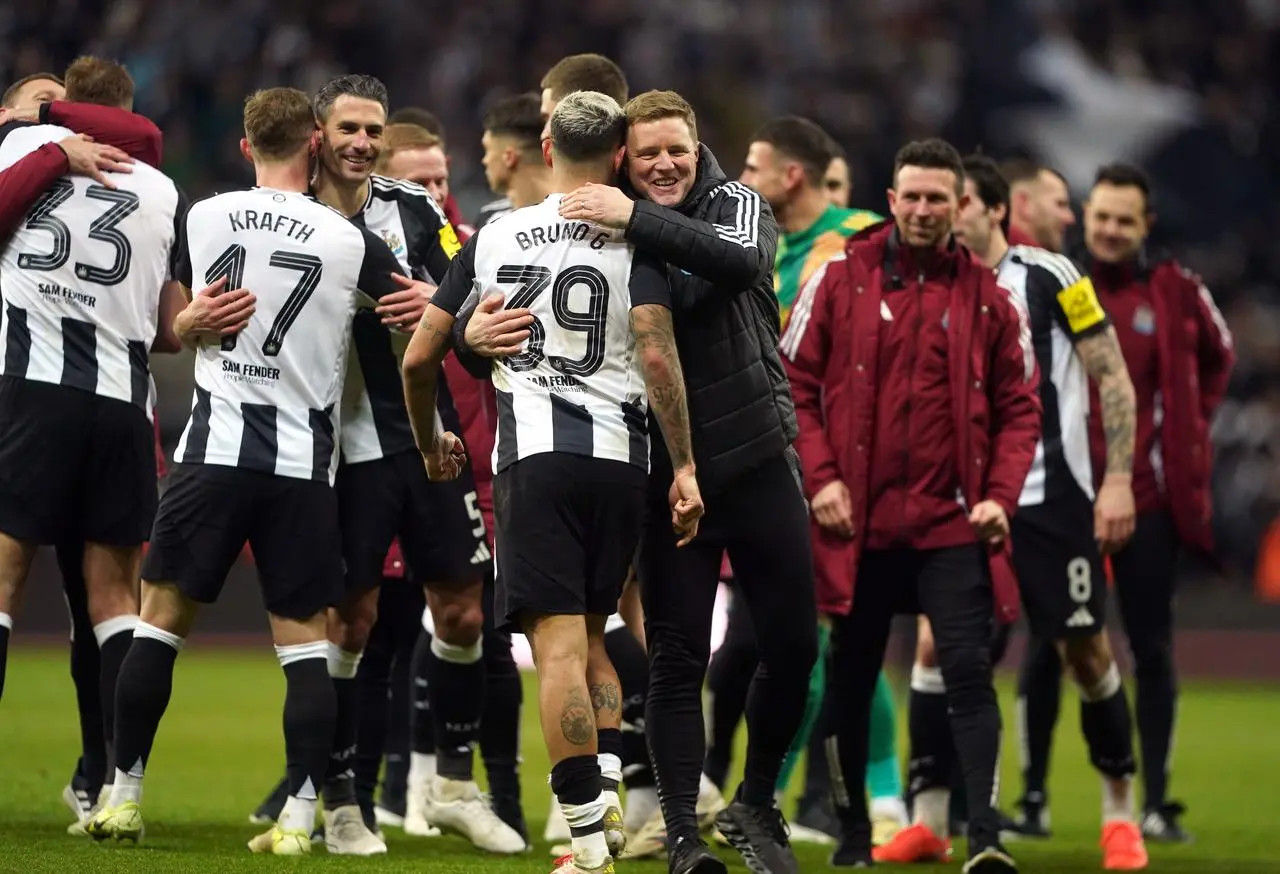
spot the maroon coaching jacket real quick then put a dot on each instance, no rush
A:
(831, 352)
(1194, 356)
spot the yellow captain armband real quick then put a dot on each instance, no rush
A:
(1080, 304)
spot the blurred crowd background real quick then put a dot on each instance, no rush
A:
(1187, 88)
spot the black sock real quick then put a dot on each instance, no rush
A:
(143, 687)
(632, 664)
(1156, 704)
(1108, 728)
(86, 674)
(422, 723)
(933, 761)
(500, 726)
(576, 780)
(609, 743)
(729, 682)
(340, 778)
(310, 717)
(456, 678)
(1040, 694)
(112, 653)
(4, 654)
(373, 687)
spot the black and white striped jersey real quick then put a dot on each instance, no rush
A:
(1063, 309)
(577, 386)
(82, 275)
(375, 423)
(267, 399)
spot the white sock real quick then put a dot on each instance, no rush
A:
(343, 663)
(109, 628)
(1117, 800)
(422, 767)
(890, 807)
(1107, 686)
(127, 786)
(589, 850)
(707, 786)
(6, 621)
(641, 803)
(610, 767)
(932, 809)
(299, 812)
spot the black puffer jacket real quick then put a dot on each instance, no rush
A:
(719, 244)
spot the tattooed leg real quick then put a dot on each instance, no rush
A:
(559, 645)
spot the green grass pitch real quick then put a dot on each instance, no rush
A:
(220, 749)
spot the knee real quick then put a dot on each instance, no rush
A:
(672, 654)
(967, 670)
(351, 626)
(790, 648)
(1089, 658)
(459, 623)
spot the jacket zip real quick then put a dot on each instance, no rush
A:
(906, 449)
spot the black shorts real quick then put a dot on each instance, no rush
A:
(207, 514)
(568, 526)
(74, 466)
(439, 525)
(1060, 572)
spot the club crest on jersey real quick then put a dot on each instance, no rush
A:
(1144, 320)
(393, 241)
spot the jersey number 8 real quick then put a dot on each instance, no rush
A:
(230, 264)
(533, 280)
(103, 229)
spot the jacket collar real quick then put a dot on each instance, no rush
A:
(901, 260)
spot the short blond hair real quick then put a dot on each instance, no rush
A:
(405, 137)
(278, 122)
(657, 105)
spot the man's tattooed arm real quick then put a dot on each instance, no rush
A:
(1105, 365)
(664, 379)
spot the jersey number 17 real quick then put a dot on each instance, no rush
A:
(230, 264)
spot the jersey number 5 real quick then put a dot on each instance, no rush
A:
(103, 229)
(230, 264)
(533, 280)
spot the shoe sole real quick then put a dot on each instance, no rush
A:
(707, 865)
(992, 866)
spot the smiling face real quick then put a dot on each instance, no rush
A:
(662, 159)
(924, 203)
(1116, 222)
(353, 138)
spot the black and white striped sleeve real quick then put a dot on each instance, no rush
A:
(1056, 282)
(733, 246)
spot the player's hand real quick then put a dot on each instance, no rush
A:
(833, 508)
(1113, 513)
(494, 332)
(9, 113)
(990, 522)
(686, 505)
(215, 312)
(404, 309)
(602, 205)
(95, 160)
(445, 458)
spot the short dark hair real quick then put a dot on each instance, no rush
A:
(1123, 175)
(518, 116)
(99, 81)
(1019, 170)
(419, 116)
(801, 140)
(587, 72)
(350, 85)
(991, 186)
(933, 154)
(11, 93)
(587, 126)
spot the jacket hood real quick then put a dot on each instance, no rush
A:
(707, 177)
